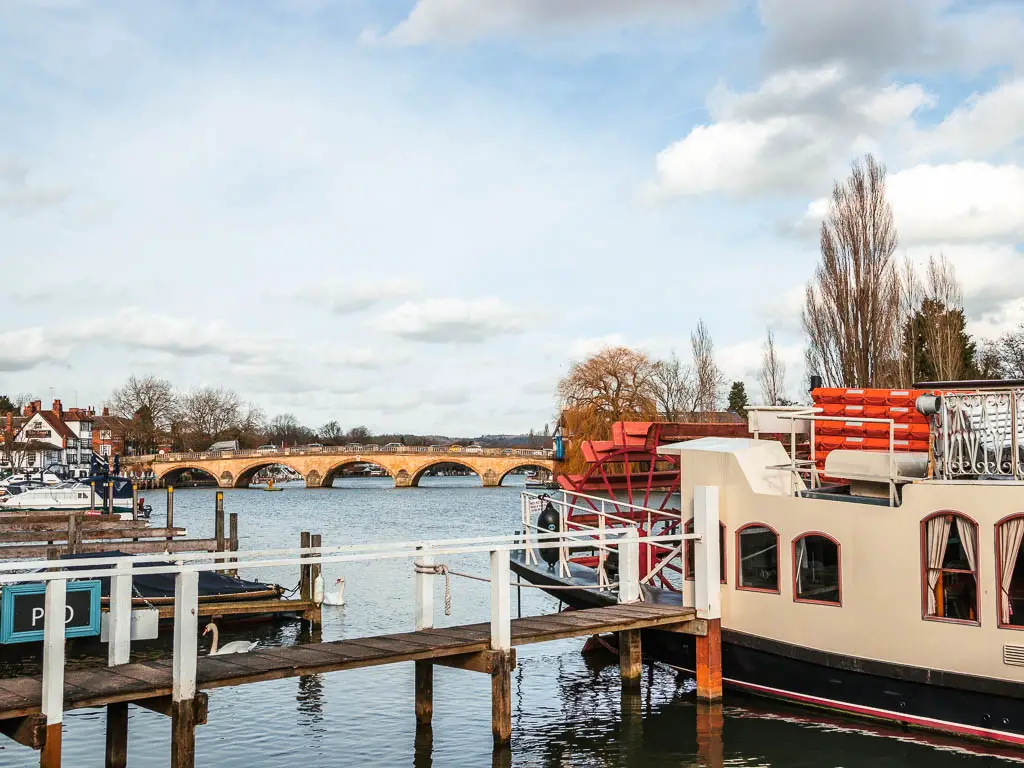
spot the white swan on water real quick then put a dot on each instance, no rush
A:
(338, 598)
(235, 646)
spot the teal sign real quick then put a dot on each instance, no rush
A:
(23, 611)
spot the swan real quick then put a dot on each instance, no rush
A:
(339, 597)
(235, 646)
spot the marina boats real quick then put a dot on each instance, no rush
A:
(68, 496)
(883, 579)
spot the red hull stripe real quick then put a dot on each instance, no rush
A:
(884, 714)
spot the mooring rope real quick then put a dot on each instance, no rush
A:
(444, 570)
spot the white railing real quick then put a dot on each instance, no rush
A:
(981, 433)
(187, 566)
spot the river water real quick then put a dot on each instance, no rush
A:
(568, 709)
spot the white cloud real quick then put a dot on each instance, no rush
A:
(465, 20)
(443, 321)
(24, 349)
(984, 125)
(966, 202)
(584, 347)
(790, 135)
(351, 297)
(20, 195)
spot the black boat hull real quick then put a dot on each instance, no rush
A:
(911, 697)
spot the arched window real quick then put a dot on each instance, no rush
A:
(757, 558)
(950, 552)
(816, 570)
(1010, 562)
(691, 558)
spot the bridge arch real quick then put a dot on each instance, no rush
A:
(414, 480)
(335, 471)
(175, 475)
(524, 464)
(244, 477)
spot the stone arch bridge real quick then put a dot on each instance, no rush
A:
(320, 466)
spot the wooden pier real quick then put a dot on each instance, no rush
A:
(31, 708)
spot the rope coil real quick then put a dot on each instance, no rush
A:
(439, 570)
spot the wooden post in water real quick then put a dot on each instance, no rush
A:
(424, 620)
(117, 735)
(501, 644)
(314, 614)
(74, 533)
(707, 592)
(710, 725)
(233, 538)
(218, 522)
(110, 497)
(183, 691)
(305, 583)
(630, 655)
(170, 509)
(54, 606)
(135, 501)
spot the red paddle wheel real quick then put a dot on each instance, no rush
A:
(627, 472)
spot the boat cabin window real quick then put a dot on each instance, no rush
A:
(950, 567)
(757, 566)
(816, 576)
(1009, 535)
(691, 557)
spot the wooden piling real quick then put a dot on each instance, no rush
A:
(74, 533)
(135, 501)
(218, 521)
(709, 662)
(501, 698)
(630, 658)
(424, 692)
(49, 757)
(117, 735)
(110, 497)
(92, 495)
(170, 508)
(183, 734)
(305, 582)
(314, 613)
(233, 538)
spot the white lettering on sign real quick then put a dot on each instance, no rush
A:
(37, 614)
(70, 614)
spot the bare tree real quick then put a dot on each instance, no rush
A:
(911, 296)
(1011, 353)
(988, 361)
(772, 375)
(708, 377)
(941, 320)
(331, 433)
(852, 307)
(207, 413)
(673, 387)
(617, 383)
(148, 405)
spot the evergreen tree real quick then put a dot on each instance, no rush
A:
(934, 312)
(738, 399)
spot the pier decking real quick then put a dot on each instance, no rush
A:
(133, 683)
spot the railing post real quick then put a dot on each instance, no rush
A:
(707, 592)
(629, 567)
(186, 627)
(424, 590)
(54, 612)
(120, 630)
(707, 552)
(501, 643)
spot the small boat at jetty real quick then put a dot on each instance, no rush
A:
(68, 496)
(871, 549)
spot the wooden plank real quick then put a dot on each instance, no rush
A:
(300, 657)
(143, 673)
(480, 661)
(60, 536)
(501, 698)
(164, 705)
(458, 633)
(127, 547)
(243, 607)
(29, 731)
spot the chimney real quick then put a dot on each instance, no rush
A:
(57, 409)
(10, 422)
(106, 411)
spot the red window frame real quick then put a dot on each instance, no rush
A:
(690, 559)
(778, 561)
(999, 574)
(839, 565)
(976, 622)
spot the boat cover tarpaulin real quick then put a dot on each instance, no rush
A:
(162, 584)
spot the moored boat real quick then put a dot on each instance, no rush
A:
(885, 583)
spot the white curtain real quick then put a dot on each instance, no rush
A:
(937, 533)
(801, 557)
(967, 540)
(1011, 534)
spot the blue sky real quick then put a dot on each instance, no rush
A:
(414, 215)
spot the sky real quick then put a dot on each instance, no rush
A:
(414, 215)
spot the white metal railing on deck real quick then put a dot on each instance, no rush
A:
(981, 433)
(187, 566)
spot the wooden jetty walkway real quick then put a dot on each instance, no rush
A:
(31, 708)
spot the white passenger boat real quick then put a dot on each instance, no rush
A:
(68, 496)
(885, 583)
